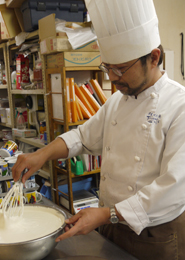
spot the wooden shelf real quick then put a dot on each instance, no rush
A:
(63, 171)
(60, 122)
(81, 68)
(54, 121)
(78, 68)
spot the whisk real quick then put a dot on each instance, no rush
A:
(13, 203)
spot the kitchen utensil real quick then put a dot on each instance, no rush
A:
(34, 249)
(13, 203)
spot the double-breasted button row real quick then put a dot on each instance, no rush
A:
(153, 95)
(137, 158)
(130, 188)
(114, 122)
(107, 148)
(103, 178)
(144, 126)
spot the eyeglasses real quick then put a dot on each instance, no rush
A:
(118, 72)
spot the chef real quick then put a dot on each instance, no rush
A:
(140, 133)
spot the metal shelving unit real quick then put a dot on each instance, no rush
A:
(12, 93)
(6, 125)
(3, 86)
(6, 88)
(28, 92)
(32, 141)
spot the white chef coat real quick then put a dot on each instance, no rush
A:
(142, 143)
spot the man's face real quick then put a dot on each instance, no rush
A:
(133, 81)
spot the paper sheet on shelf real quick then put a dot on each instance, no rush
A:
(79, 37)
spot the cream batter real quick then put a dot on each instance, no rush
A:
(36, 222)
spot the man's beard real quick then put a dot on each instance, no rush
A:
(133, 91)
(130, 91)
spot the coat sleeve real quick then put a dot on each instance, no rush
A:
(164, 199)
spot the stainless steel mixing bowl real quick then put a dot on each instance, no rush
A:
(34, 249)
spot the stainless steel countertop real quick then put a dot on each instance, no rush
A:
(92, 244)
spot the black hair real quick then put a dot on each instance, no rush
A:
(143, 59)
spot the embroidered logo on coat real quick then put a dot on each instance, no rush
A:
(153, 118)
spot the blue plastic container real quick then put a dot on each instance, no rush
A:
(79, 185)
(46, 192)
(34, 10)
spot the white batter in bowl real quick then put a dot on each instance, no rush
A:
(31, 236)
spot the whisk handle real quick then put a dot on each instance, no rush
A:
(22, 173)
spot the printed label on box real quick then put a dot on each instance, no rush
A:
(43, 47)
(53, 44)
(82, 59)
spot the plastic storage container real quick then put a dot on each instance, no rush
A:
(7, 133)
(13, 79)
(3, 115)
(4, 102)
(46, 192)
(68, 10)
(8, 116)
(21, 124)
(77, 167)
(79, 185)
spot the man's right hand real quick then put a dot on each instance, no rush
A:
(30, 161)
(34, 161)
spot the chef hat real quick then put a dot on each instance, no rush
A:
(126, 29)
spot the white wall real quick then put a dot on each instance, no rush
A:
(171, 15)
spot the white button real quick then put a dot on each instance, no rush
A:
(153, 95)
(130, 188)
(144, 126)
(103, 178)
(101, 204)
(113, 122)
(125, 97)
(107, 148)
(137, 158)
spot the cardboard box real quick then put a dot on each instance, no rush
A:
(9, 23)
(55, 60)
(51, 41)
(73, 59)
(19, 16)
(24, 132)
